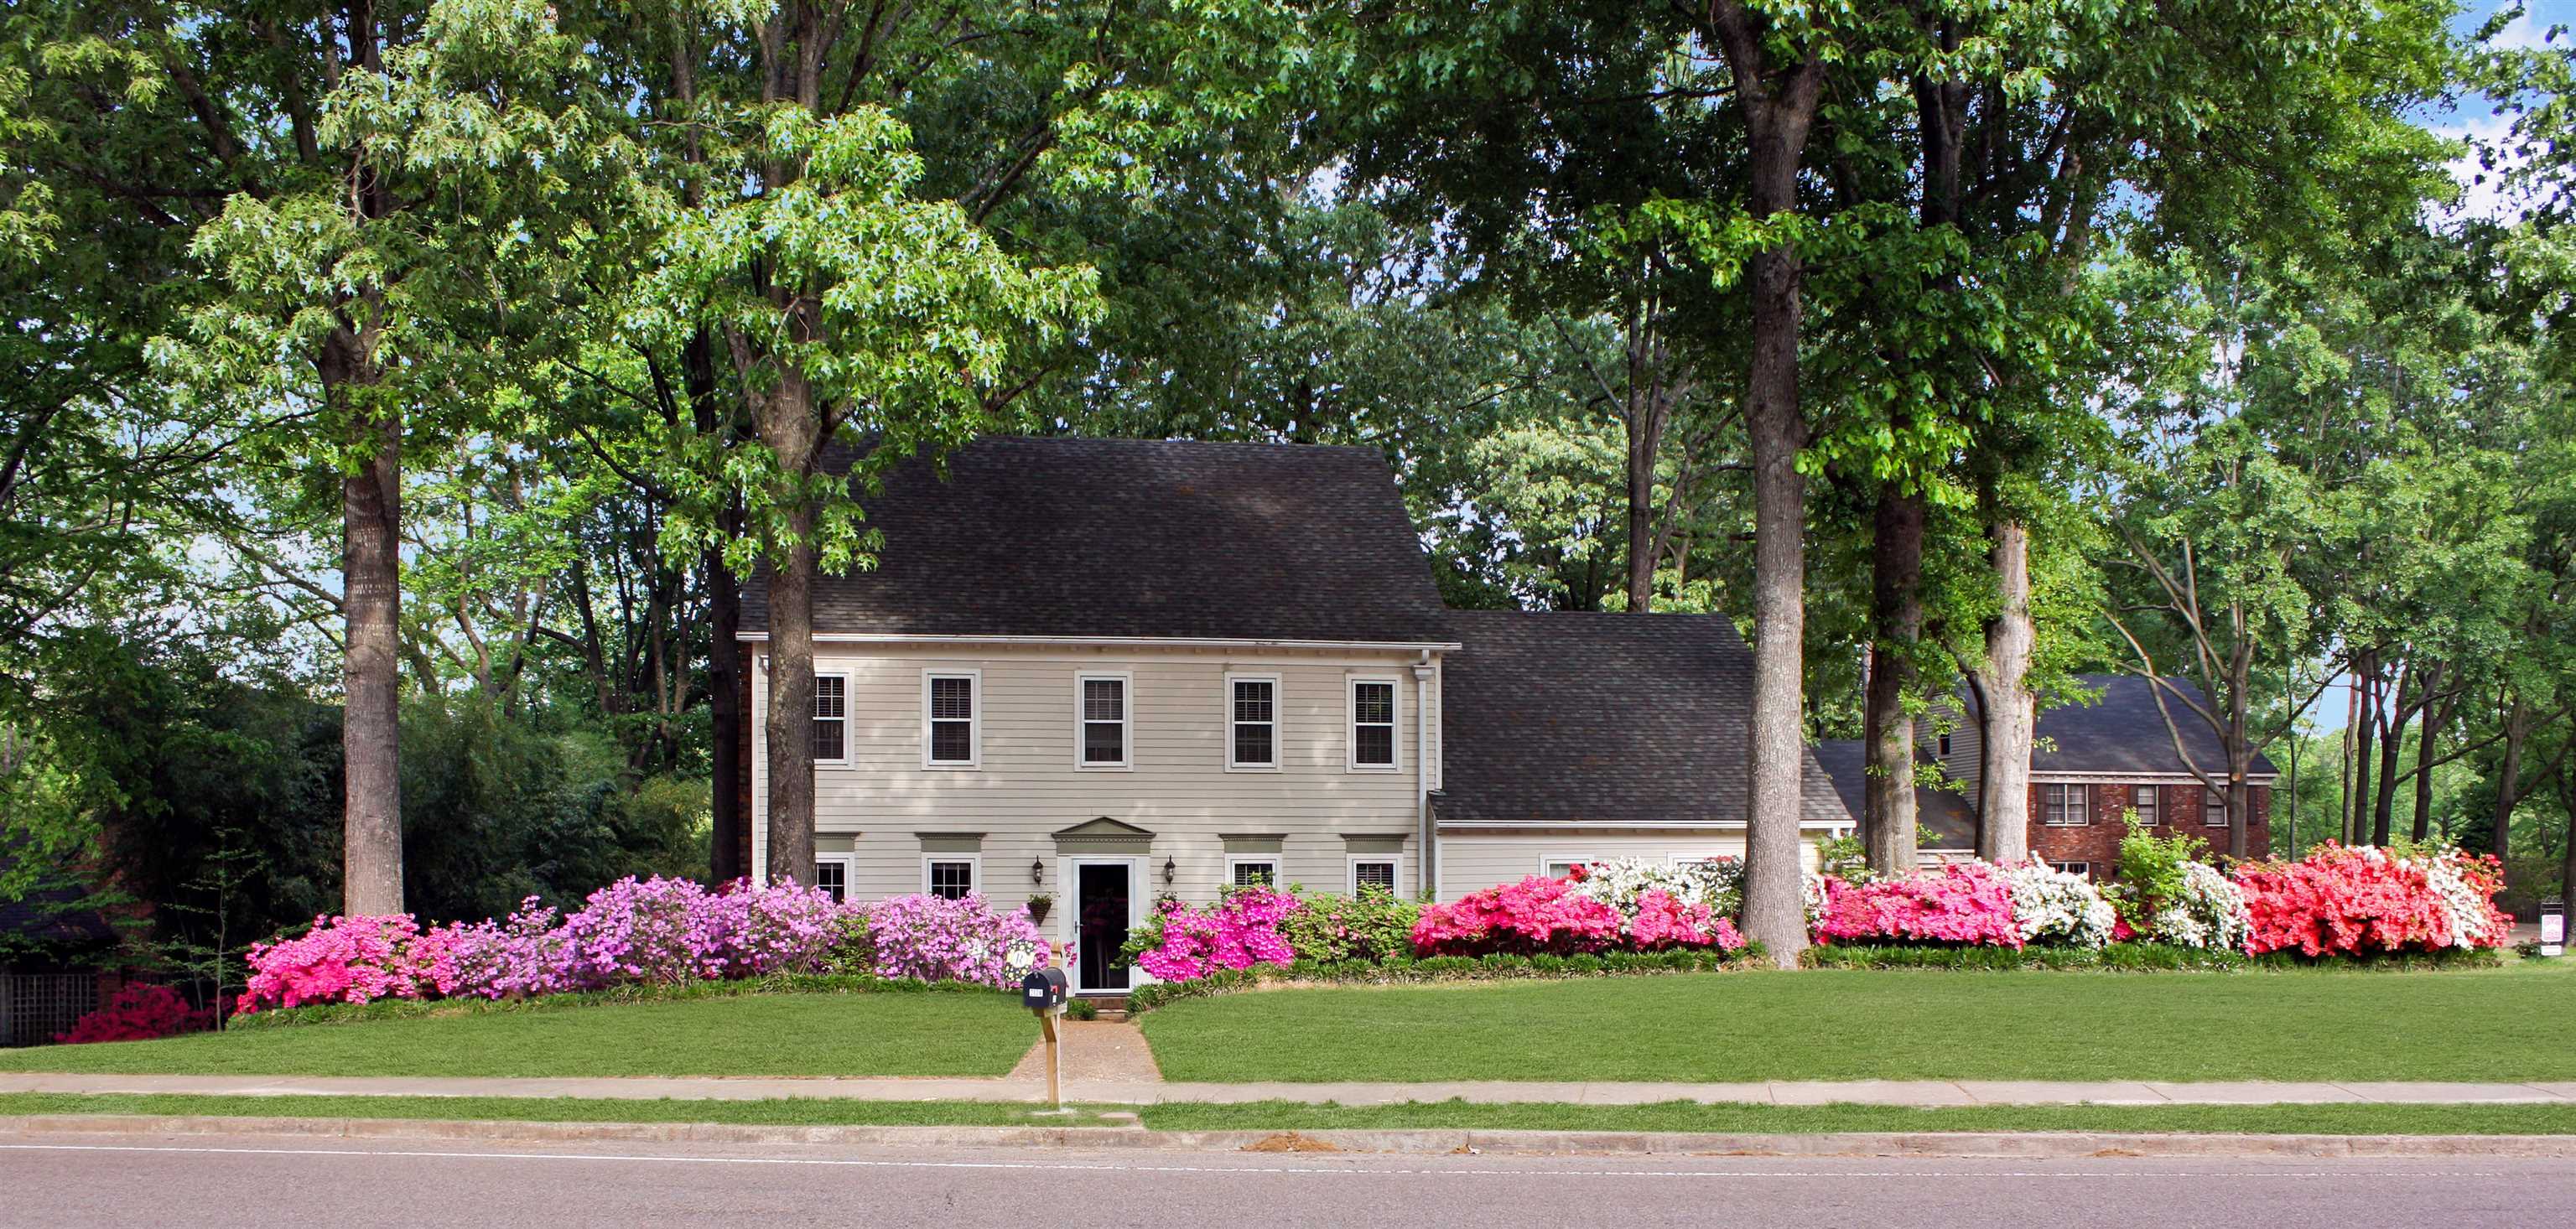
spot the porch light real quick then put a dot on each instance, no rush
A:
(1037, 872)
(1171, 870)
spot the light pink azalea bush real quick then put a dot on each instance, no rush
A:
(1235, 933)
(1534, 916)
(1966, 904)
(929, 938)
(347, 960)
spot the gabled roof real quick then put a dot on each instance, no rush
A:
(1585, 718)
(1943, 818)
(1137, 538)
(2123, 732)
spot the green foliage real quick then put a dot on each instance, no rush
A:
(2151, 871)
(1375, 925)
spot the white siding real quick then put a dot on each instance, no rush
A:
(1026, 787)
(1966, 740)
(1473, 862)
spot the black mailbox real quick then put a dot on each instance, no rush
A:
(1043, 989)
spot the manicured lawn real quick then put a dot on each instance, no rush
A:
(1288, 1116)
(781, 1034)
(2495, 1024)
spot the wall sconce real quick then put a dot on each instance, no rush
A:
(1171, 870)
(1037, 872)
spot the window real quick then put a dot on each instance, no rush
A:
(949, 877)
(2073, 868)
(1252, 739)
(1374, 871)
(2066, 806)
(2147, 802)
(1561, 865)
(2213, 807)
(1252, 872)
(1945, 744)
(833, 876)
(1103, 720)
(948, 714)
(1372, 723)
(831, 719)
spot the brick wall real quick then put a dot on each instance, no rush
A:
(2098, 842)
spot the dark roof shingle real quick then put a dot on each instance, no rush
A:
(1944, 818)
(1583, 718)
(2123, 731)
(1160, 538)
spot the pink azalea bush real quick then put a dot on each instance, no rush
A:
(1967, 904)
(1664, 922)
(137, 1013)
(1235, 933)
(346, 960)
(930, 938)
(2344, 901)
(1536, 915)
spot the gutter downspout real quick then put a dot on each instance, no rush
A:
(1427, 876)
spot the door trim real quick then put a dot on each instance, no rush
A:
(1139, 902)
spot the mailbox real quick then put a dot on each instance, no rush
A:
(2553, 926)
(1043, 989)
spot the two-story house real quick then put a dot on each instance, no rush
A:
(1100, 671)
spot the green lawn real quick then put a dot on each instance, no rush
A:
(2493, 1024)
(769, 1034)
(1288, 1116)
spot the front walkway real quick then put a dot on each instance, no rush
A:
(1150, 1092)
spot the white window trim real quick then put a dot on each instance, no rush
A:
(1545, 860)
(849, 864)
(1126, 681)
(1351, 723)
(1351, 880)
(2152, 815)
(2083, 814)
(974, 864)
(1270, 860)
(974, 722)
(1278, 711)
(2073, 867)
(2213, 799)
(848, 739)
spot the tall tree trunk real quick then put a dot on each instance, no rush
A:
(2343, 767)
(2362, 730)
(1888, 820)
(724, 613)
(2011, 709)
(2240, 751)
(2517, 731)
(2392, 738)
(2567, 853)
(790, 424)
(1779, 104)
(2424, 740)
(1645, 440)
(371, 587)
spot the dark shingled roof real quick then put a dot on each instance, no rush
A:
(2124, 732)
(1581, 718)
(1166, 538)
(1944, 819)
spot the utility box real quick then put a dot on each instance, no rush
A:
(2553, 926)
(1043, 989)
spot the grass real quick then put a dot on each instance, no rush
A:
(1830, 1024)
(2357, 1119)
(754, 1035)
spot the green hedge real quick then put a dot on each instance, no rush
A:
(408, 1009)
(1401, 971)
(2120, 957)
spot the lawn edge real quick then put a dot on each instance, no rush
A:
(1453, 1141)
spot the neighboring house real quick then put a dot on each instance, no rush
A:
(1104, 670)
(1945, 818)
(2097, 762)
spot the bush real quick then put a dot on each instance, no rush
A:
(2052, 906)
(348, 960)
(1535, 915)
(1966, 903)
(1375, 925)
(1622, 882)
(2341, 901)
(930, 938)
(1237, 932)
(138, 1013)
(1498, 966)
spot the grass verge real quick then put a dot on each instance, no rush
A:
(2366, 1119)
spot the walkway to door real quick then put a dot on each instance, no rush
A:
(1113, 1051)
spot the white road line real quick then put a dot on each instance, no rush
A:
(1326, 1168)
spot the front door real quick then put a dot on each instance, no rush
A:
(1100, 898)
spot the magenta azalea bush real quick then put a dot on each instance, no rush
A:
(1539, 915)
(642, 932)
(1235, 933)
(1966, 904)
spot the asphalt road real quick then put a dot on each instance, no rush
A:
(213, 1182)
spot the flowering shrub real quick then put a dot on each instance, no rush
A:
(931, 938)
(2341, 901)
(2205, 911)
(1371, 926)
(345, 960)
(1663, 922)
(137, 1013)
(1620, 882)
(1535, 915)
(2051, 906)
(528, 955)
(1967, 903)
(1237, 932)
(782, 928)
(656, 931)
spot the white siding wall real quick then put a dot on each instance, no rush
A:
(1027, 787)
(1967, 741)
(1473, 862)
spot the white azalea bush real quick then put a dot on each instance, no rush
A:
(1619, 882)
(2205, 910)
(2052, 906)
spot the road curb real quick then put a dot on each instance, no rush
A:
(2031, 1144)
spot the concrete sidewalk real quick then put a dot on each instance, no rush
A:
(1136, 1092)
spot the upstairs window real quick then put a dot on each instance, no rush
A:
(1104, 721)
(949, 704)
(2065, 805)
(831, 740)
(2147, 801)
(1252, 740)
(1372, 723)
